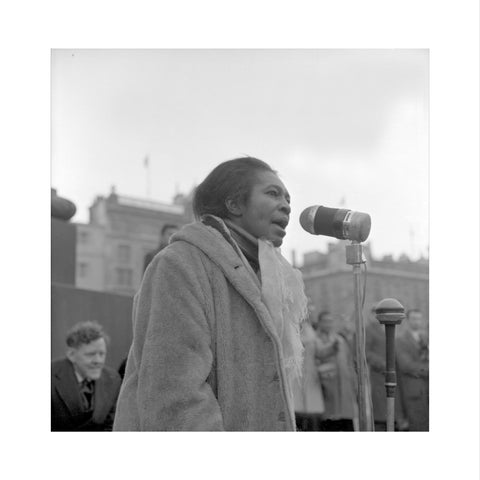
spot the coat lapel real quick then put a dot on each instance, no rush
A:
(100, 399)
(229, 260)
(67, 387)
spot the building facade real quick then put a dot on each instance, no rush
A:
(111, 248)
(329, 281)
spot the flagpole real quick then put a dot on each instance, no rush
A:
(412, 242)
(146, 164)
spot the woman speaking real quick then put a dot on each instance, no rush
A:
(216, 321)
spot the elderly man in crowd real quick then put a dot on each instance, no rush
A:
(84, 390)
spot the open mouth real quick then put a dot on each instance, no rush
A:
(281, 222)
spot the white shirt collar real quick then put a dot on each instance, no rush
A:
(79, 377)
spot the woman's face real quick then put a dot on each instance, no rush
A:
(266, 212)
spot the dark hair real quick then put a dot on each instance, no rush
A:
(166, 227)
(232, 179)
(85, 333)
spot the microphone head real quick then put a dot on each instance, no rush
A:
(307, 218)
(359, 226)
(336, 222)
(389, 311)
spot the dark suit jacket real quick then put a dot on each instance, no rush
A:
(67, 413)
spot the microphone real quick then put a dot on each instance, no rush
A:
(336, 222)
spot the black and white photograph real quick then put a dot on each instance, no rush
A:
(248, 210)
(254, 248)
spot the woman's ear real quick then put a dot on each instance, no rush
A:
(233, 207)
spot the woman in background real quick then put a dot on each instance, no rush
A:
(309, 402)
(216, 320)
(337, 376)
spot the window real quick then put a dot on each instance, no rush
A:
(124, 277)
(83, 237)
(123, 253)
(82, 269)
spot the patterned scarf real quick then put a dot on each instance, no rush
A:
(283, 294)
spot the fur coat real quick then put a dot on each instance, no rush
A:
(205, 354)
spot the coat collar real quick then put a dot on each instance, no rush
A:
(218, 245)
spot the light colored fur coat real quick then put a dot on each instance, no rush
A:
(205, 354)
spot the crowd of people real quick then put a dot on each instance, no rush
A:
(85, 390)
(326, 399)
(221, 337)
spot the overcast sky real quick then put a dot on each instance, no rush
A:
(338, 125)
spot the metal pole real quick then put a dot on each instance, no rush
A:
(146, 164)
(355, 258)
(390, 414)
(390, 312)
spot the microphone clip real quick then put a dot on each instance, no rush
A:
(354, 253)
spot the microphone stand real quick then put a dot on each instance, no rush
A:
(354, 255)
(390, 312)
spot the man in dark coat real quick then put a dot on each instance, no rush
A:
(413, 371)
(84, 390)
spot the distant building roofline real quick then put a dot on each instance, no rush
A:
(326, 272)
(149, 204)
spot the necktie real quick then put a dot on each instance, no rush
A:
(86, 389)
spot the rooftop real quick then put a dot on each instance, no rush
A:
(149, 204)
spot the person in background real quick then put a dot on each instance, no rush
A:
(375, 353)
(84, 389)
(165, 233)
(309, 403)
(216, 341)
(413, 370)
(337, 377)
(346, 328)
